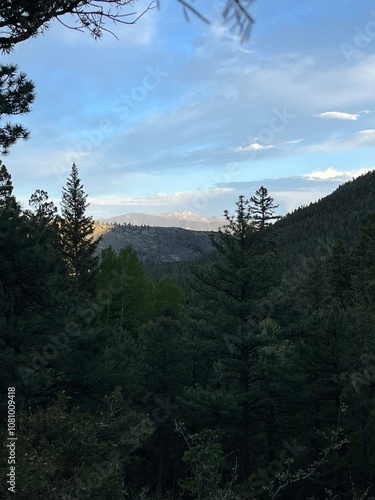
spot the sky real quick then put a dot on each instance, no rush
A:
(174, 115)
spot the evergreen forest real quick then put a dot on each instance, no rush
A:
(247, 374)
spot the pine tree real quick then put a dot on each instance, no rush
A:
(16, 96)
(77, 231)
(263, 208)
(44, 210)
(240, 225)
(34, 296)
(7, 200)
(232, 297)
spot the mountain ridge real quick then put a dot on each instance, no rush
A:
(339, 215)
(155, 244)
(184, 220)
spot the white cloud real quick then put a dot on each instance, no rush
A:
(329, 173)
(253, 147)
(332, 173)
(295, 141)
(336, 115)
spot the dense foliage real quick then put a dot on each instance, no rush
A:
(250, 378)
(340, 215)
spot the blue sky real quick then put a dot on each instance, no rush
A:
(178, 116)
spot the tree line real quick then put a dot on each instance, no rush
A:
(252, 380)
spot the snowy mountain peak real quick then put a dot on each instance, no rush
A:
(185, 219)
(186, 213)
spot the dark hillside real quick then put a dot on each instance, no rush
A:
(156, 244)
(339, 215)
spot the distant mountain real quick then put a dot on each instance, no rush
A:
(338, 215)
(185, 220)
(156, 244)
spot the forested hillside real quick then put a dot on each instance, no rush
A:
(337, 216)
(251, 379)
(306, 231)
(155, 244)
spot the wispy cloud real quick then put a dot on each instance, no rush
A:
(255, 146)
(336, 115)
(364, 137)
(361, 139)
(160, 199)
(295, 141)
(332, 173)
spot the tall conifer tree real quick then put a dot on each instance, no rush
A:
(77, 231)
(233, 295)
